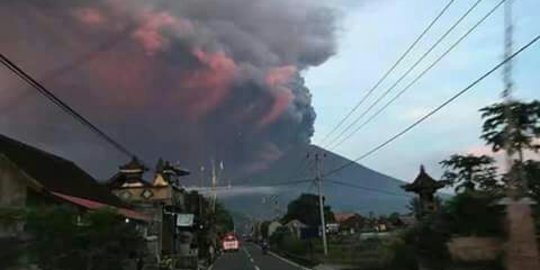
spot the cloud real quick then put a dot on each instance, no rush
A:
(90, 16)
(225, 192)
(188, 80)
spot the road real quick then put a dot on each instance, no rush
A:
(250, 257)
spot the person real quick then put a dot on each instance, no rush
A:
(264, 247)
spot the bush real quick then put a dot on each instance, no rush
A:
(98, 240)
(474, 214)
(399, 255)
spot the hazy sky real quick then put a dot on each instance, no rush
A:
(373, 36)
(247, 79)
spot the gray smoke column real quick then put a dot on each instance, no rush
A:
(187, 80)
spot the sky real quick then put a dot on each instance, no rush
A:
(371, 38)
(251, 80)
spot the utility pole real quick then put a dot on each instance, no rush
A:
(318, 178)
(214, 181)
(522, 250)
(201, 183)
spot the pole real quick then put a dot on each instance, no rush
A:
(321, 206)
(522, 250)
(200, 193)
(214, 180)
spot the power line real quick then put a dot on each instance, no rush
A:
(422, 74)
(283, 183)
(368, 188)
(431, 113)
(85, 57)
(392, 68)
(62, 105)
(406, 73)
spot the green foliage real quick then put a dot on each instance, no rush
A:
(469, 172)
(97, 240)
(520, 131)
(10, 216)
(264, 229)
(223, 220)
(399, 255)
(306, 209)
(474, 214)
(531, 170)
(11, 250)
(288, 242)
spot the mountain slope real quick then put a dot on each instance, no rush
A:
(368, 190)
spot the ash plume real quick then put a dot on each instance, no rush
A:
(188, 80)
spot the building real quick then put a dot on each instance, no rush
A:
(295, 227)
(162, 199)
(349, 223)
(272, 228)
(32, 177)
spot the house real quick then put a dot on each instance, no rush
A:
(350, 223)
(272, 227)
(162, 198)
(295, 227)
(31, 177)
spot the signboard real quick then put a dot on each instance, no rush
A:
(184, 220)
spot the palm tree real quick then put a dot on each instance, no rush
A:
(518, 131)
(469, 172)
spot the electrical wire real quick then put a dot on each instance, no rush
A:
(431, 113)
(78, 61)
(62, 105)
(368, 188)
(406, 73)
(422, 74)
(392, 68)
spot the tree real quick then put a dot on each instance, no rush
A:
(415, 207)
(62, 238)
(532, 174)
(469, 172)
(519, 131)
(223, 219)
(306, 209)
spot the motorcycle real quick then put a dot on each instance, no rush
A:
(264, 248)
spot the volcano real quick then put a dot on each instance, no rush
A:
(353, 189)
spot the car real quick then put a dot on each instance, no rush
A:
(230, 243)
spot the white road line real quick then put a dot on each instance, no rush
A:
(257, 268)
(288, 261)
(251, 259)
(285, 260)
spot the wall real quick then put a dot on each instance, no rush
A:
(13, 187)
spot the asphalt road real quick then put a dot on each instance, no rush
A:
(250, 257)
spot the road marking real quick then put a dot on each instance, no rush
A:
(288, 261)
(285, 260)
(257, 268)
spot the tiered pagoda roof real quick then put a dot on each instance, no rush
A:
(424, 183)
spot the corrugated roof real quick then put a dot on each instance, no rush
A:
(93, 205)
(341, 217)
(56, 174)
